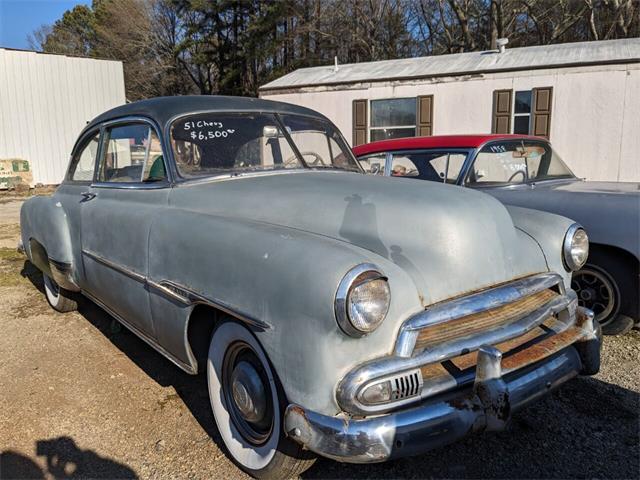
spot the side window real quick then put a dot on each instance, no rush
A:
(84, 163)
(132, 154)
(154, 170)
(373, 164)
(433, 166)
(448, 165)
(403, 166)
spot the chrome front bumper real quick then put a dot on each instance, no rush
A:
(487, 405)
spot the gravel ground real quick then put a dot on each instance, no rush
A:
(81, 398)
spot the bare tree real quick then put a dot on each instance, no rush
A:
(38, 37)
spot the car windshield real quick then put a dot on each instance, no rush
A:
(516, 161)
(211, 144)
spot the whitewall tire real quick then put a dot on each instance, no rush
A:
(247, 406)
(59, 298)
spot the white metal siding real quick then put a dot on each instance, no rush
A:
(46, 100)
(595, 126)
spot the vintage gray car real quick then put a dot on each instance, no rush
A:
(525, 171)
(335, 313)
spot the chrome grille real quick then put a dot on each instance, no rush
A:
(492, 315)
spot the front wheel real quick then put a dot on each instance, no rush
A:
(247, 405)
(597, 291)
(59, 298)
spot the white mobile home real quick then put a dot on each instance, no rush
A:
(585, 97)
(46, 100)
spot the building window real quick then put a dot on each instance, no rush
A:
(392, 118)
(522, 112)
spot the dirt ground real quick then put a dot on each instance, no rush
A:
(81, 398)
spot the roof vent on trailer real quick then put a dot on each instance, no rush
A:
(502, 44)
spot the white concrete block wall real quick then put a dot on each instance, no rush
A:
(595, 123)
(46, 100)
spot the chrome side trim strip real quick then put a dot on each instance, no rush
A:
(348, 390)
(178, 292)
(189, 297)
(143, 336)
(470, 305)
(115, 266)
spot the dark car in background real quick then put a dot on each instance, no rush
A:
(525, 171)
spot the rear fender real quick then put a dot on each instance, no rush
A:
(47, 240)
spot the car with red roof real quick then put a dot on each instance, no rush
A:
(525, 171)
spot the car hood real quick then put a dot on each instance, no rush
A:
(450, 240)
(597, 188)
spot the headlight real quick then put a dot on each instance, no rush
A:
(575, 249)
(362, 300)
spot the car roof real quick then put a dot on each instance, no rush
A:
(163, 109)
(436, 141)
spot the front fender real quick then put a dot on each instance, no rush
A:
(548, 230)
(287, 279)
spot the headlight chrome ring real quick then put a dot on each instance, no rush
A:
(345, 308)
(575, 248)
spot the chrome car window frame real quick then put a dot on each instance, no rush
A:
(168, 182)
(78, 148)
(390, 153)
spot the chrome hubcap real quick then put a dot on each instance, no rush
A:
(247, 393)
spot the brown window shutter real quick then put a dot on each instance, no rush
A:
(425, 116)
(541, 125)
(501, 122)
(359, 122)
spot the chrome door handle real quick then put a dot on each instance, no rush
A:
(86, 196)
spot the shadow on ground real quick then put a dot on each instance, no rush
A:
(63, 460)
(191, 389)
(587, 428)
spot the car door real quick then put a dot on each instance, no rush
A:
(77, 181)
(130, 189)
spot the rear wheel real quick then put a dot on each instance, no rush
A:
(60, 299)
(247, 405)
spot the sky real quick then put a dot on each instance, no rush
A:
(18, 18)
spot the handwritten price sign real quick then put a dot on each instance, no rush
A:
(205, 130)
